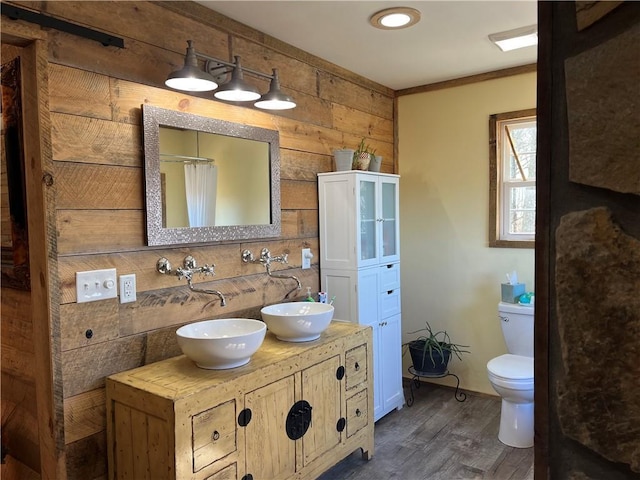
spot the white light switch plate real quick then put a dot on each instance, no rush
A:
(96, 285)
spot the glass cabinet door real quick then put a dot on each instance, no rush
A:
(389, 216)
(368, 238)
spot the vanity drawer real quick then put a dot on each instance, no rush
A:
(230, 472)
(389, 276)
(214, 434)
(389, 303)
(357, 414)
(356, 366)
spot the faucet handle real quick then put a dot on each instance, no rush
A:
(265, 255)
(247, 256)
(208, 270)
(184, 272)
(285, 257)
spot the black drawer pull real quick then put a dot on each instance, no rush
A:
(357, 366)
(358, 412)
(215, 435)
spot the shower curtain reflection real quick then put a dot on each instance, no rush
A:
(201, 185)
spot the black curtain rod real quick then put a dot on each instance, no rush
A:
(17, 13)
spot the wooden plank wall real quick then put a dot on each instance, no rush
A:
(95, 97)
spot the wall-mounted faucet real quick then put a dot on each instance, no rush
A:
(187, 271)
(266, 259)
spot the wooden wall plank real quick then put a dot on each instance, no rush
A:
(87, 457)
(95, 231)
(84, 415)
(302, 224)
(365, 124)
(92, 140)
(101, 318)
(299, 195)
(338, 90)
(16, 326)
(78, 92)
(100, 187)
(85, 369)
(297, 165)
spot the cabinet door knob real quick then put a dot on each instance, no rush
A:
(215, 435)
(357, 366)
(358, 412)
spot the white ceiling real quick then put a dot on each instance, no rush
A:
(450, 41)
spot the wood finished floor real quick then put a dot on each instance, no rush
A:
(439, 438)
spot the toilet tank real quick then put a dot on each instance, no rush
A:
(517, 327)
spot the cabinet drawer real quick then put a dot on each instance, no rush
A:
(214, 434)
(389, 303)
(356, 366)
(357, 414)
(389, 277)
(230, 472)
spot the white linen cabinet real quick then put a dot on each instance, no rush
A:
(360, 266)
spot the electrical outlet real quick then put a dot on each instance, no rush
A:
(306, 258)
(96, 285)
(128, 288)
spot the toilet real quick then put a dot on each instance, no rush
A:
(511, 375)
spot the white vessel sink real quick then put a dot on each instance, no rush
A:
(297, 321)
(221, 344)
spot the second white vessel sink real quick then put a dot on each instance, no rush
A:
(297, 321)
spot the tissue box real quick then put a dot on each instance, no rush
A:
(511, 292)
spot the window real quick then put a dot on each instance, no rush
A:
(512, 194)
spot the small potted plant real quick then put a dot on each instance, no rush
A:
(343, 159)
(362, 156)
(431, 352)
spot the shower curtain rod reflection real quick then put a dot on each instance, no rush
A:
(168, 157)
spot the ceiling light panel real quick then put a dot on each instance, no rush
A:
(395, 18)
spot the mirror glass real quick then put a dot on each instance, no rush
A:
(208, 179)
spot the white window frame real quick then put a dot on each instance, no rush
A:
(499, 153)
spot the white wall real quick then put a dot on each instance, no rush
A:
(450, 276)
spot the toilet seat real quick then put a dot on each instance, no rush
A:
(511, 371)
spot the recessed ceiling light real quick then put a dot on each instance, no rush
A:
(517, 38)
(395, 18)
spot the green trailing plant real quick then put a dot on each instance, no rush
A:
(436, 345)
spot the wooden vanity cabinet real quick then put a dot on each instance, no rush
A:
(294, 411)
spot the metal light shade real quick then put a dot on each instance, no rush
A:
(275, 99)
(236, 89)
(191, 78)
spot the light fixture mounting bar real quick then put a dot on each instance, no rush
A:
(231, 65)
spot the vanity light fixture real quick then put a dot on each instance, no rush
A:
(517, 38)
(395, 18)
(192, 78)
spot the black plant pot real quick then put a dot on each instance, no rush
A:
(422, 360)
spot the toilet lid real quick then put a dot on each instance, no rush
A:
(515, 367)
